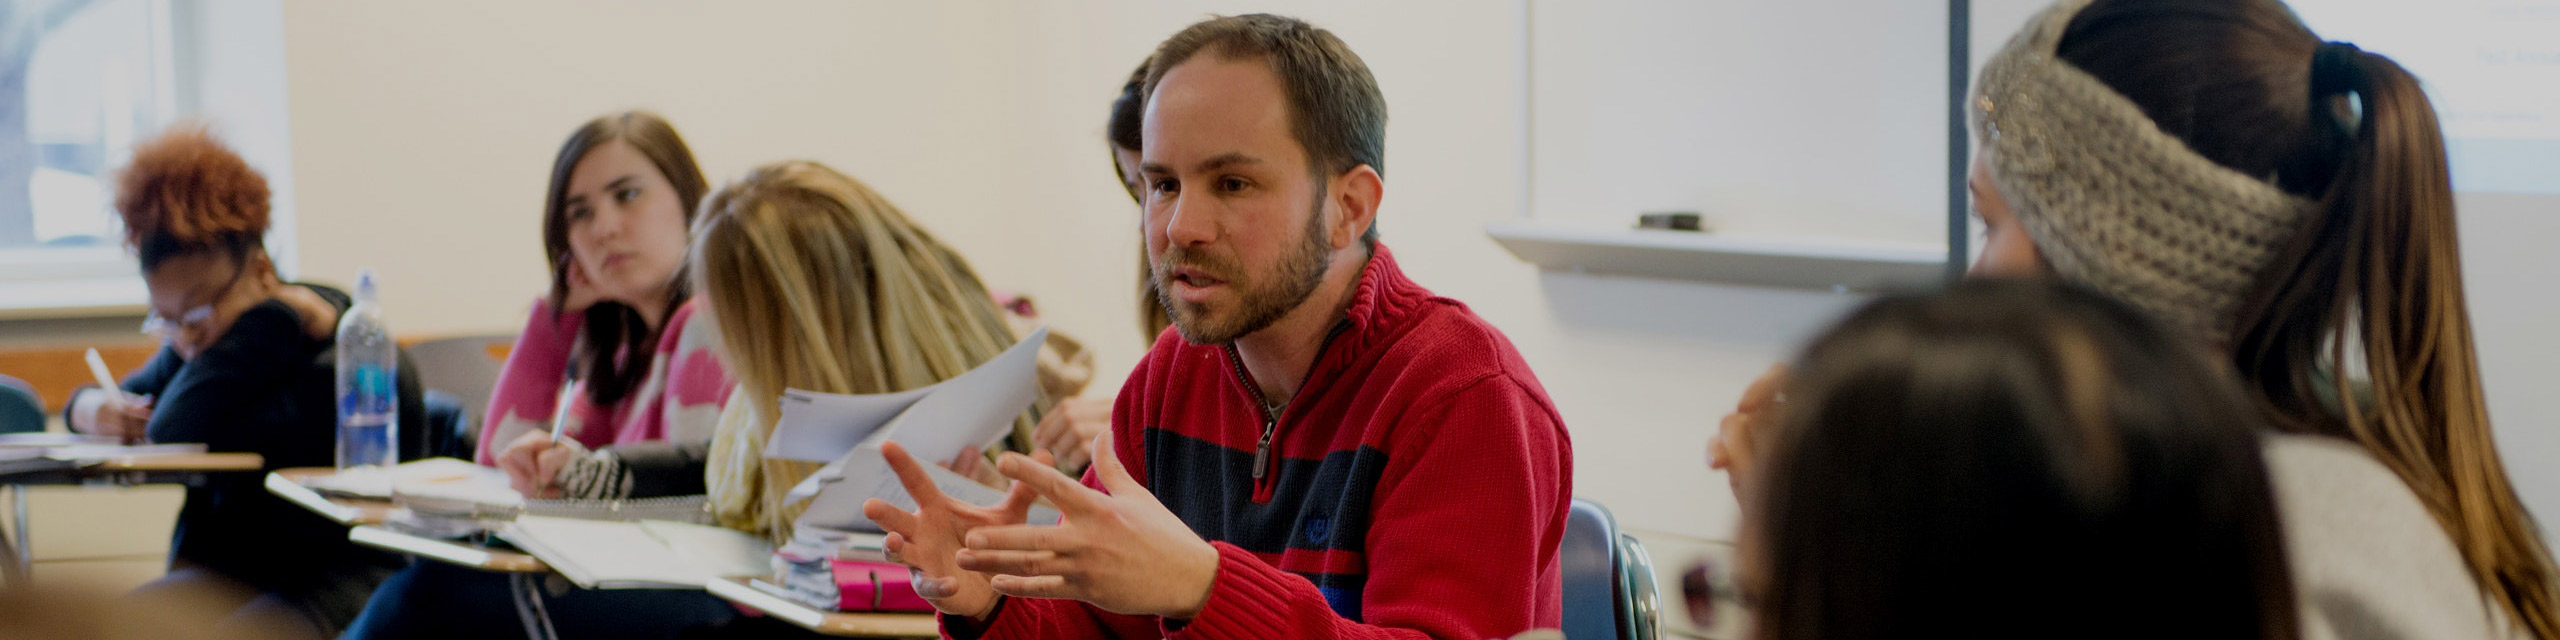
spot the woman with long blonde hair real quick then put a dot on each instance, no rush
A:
(816, 282)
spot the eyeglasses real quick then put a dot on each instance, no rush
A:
(158, 325)
(1702, 588)
(193, 318)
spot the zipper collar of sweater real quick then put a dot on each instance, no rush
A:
(1381, 301)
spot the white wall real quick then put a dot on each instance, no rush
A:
(2506, 262)
(423, 132)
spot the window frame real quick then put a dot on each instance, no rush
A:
(103, 281)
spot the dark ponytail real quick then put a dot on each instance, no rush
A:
(2358, 328)
(2380, 272)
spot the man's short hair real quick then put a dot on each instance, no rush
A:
(1335, 110)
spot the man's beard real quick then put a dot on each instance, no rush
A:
(1259, 303)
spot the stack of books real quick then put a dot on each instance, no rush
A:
(832, 570)
(834, 560)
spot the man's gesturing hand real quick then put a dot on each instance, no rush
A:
(927, 538)
(1122, 552)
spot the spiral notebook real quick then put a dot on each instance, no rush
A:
(647, 554)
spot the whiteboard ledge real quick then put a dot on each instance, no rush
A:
(1801, 263)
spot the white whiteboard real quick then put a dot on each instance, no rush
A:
(1823, 119)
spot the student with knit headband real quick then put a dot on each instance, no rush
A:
(246, 368)
(1321, 449)
(2216, 164)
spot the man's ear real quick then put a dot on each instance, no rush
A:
(1355, 195)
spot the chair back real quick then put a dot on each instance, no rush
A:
(20, 410)
(465, 366)
(1608, 579)
(1639, 607)
(1590, 563)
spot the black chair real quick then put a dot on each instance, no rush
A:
(459, 373)
(450, 432)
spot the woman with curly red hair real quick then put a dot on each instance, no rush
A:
(245, 367)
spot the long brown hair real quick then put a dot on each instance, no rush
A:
(2374, 279)
(616, 347)
(2008, 459)
(1128, 113)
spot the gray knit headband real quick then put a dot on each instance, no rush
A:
(2114, 203)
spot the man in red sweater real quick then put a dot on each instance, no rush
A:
(1326, 450)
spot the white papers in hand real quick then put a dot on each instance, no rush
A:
(864, 474)
(933, 423)
(820, 427)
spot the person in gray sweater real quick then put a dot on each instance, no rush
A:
(2218, 165)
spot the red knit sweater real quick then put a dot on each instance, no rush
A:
(1415, 488)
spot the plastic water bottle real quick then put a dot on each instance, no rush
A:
(368, 389)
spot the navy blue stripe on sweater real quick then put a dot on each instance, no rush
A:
(1317, 519)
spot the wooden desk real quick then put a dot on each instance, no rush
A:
(287, 484)
(196, 462)
(187, 469)
(850, 625)
(446, 551)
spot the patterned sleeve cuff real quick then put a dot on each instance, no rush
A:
(598, 475)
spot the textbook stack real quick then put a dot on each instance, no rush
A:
(841, 571)
(834, 561)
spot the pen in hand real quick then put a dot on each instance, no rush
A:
(117, 399)
(559, 430)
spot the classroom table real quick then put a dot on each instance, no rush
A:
(287, 484)
(833, 623)
(447, 551)
(186, 469)
(365, 516)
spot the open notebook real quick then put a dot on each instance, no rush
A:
(445, 493)
(648, 554)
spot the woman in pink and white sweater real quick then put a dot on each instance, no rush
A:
(617, 323)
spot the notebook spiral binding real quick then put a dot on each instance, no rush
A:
(693, 509)
(444, 519)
